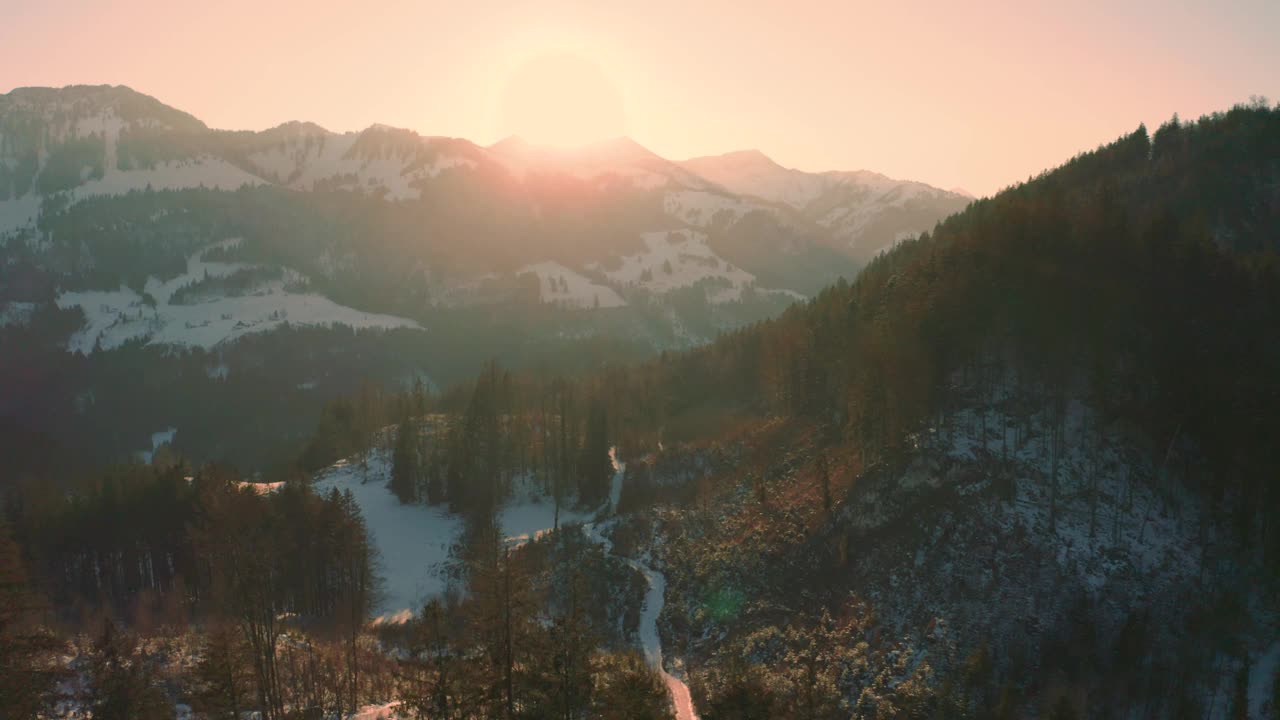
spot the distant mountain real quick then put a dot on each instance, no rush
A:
(128, 225)
(861, 212)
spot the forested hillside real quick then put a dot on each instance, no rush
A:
(128, 227)
(1081, 366)
(1021, 466)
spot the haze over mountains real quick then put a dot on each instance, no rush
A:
(629, 435)
(129, 224)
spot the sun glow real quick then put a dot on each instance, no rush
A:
(561, 100)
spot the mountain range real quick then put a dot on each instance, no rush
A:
(129, 225)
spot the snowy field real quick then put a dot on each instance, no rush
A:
(307, 161)
(700, 208)
(690, 260)
(16, 313)
(414, 540)
(113, 317)
(559, 285)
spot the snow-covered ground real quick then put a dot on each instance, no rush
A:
(413, 540)
(16, 313)
(559, 285)
(700, 208)
(18, 213)
(678, 259)
(304, 162)
(751, 172)
(158, 438)
(524, 520)
(113, 317)
(200, 172)
(654, 599)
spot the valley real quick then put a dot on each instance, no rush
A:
(124, 221)
(544, 424)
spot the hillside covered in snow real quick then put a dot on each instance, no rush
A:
(130, 226)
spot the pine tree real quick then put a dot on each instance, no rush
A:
(596, 469)
(441, 677)
(405, 464)
(629, 688)
(221, 679)
(27, 679)
(121, 682)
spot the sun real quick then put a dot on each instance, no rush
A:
(560, 99)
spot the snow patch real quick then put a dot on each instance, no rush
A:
(559, 285)
(206, 172)
(157, 439)
(16, 313)
(679, 259)
(700, 208)
(412, 540)
(114, 317)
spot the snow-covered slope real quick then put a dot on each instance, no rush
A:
(862, 211)
(559, 285)
(380, 160)
(677, 259)
(113, 317)
(751, 172)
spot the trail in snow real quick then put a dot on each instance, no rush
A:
(650, 640)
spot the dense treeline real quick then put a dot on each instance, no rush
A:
(139, 540)
(476, 445)
(160, 549)
(1138, 277)
(536, 636)
(1141, 278)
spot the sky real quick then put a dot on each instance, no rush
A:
(973, 94)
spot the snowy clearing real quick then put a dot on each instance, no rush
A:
(679, 259)
(412, 540)
(559, 285)
(113, 317)
(16, 313)
(201, 172)
(700, 208)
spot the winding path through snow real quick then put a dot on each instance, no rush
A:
(654, 599)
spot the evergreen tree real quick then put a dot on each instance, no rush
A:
(221, 681)
(405, 463)
(628, 688)
(28, 677)
(596, 469)
(122, 685)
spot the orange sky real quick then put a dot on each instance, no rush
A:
(972, 94)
